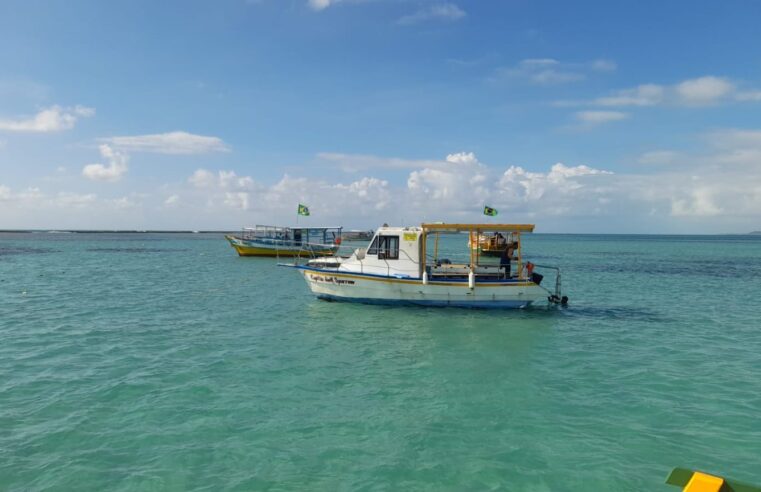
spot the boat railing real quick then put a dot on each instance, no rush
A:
(308, 251)
(556, 297)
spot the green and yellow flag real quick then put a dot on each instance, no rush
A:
(303, 210)
(492, 212)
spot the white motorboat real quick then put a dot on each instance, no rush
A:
(401, 265)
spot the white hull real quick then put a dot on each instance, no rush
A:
(333, 284)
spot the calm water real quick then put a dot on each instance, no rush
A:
(135, 362)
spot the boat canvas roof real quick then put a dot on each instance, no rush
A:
(283, 228)
(443, 227)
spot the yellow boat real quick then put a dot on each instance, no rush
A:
(491, 244)
(275, 241)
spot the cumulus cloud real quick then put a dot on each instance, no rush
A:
(458, 184)
(443, 11)
(372, 191)
(600, 117)
(116, 168)
(53, 119)
(519, 185)
(700, 202)
(222, 180)
(177, 142)
(710, 189)
(224, 186)
(704, 90)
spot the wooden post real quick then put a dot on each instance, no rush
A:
(520, 258)
(423, 253)
(470, 236)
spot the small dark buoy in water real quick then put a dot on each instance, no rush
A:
(564, 301)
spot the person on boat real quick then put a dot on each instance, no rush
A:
(505, 260)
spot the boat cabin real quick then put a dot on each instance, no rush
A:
(292, 236)
(414, 252)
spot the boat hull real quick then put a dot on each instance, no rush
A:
(335, 285)
(255, 248)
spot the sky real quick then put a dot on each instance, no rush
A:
(589, 116)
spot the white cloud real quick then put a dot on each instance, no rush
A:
(662, 157)
(177, 142)
(202, 178)
(700, 202)
(237, 199)
(458, 184)
(223, 180)
(124, 202)
(712, 190)
(443, 11)
(600, 117)
(701, 91)
(20, 198)
(704, 90)
(642, 95)
(542, 71)
(224, 186)
(520, 185)
(749, 96)
(549, 71)
(374, 191)
(603, 65)
(321, 4)
(360, 162)
(736, 139)
(116, 168)
(78, 200)
(52, 119)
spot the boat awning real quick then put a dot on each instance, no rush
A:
(477, 227)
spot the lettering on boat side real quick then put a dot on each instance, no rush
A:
(330, 280)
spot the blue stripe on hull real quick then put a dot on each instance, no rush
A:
(429, 303)
(461, 279)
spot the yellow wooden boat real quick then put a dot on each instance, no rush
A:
(275, 241)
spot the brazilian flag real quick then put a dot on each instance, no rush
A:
(303, 210)
(492, 212)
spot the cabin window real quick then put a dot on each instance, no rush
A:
(388, 247)
(373, 249)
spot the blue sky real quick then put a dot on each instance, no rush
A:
(578, 116)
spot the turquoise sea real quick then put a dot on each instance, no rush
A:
(166, 362)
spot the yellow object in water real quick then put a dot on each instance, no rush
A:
(702, 482)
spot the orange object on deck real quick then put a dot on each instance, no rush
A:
(702, 482)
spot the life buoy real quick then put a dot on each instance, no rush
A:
(338, 240)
